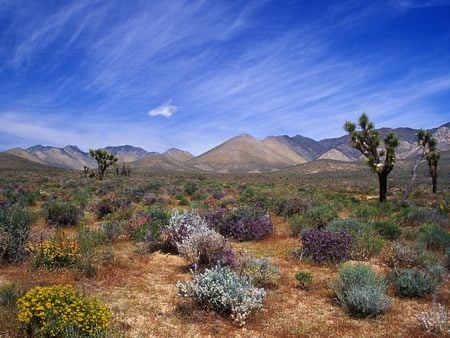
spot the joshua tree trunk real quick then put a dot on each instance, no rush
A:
(382, 180)
(410, 185)
(434, 182)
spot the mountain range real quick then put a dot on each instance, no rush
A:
(241, 154)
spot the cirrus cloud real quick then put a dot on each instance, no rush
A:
(166, 110)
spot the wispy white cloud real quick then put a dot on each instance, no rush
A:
(166, 110)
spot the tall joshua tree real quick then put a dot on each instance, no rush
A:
(433, 159)
(367, 141)
(427, 147)
(104, 160)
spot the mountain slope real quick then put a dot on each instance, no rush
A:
(127, 153)
(24, 154)
(70, 157)
(14, 162)
(158, 163)
(244, 153)
(178, 154)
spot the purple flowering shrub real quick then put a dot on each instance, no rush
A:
(326, 246)
(242, 224)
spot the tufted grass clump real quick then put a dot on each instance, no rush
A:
(360, 291)
(225, 292)
(8, 295)
(59, 213)
(51, 311)
(15, 226)
(56, 252)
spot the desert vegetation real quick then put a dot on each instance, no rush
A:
(281, 254)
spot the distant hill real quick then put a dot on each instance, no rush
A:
(159, 163)
(13, 162)
(244, 153)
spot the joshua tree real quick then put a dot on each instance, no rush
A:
(367, 141)
(104, 160)
(85, 171)
(433, 159)
(427, 146)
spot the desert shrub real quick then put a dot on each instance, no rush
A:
(388, 230)
(318, 216)
(366, 213)
(81, 196)
(291, 206)
(411, 283)
(435, 321)
(55, 252)
(224, 291)
(418, 216)
(433, 237)
(260, 270)
(184, 202)
(298, 224)
(88, 240)
(8, 295)
(304, 279)
(205, 248)
(15, 224)
(61, 213)
(5, 242)
(112, 229)
(326, 246)
(134, 225)
(150, 198)
(181, 225)
(49, 311)
(366, 241)
(401, 255)
(245, 224)
(151, 232)
(360, 291)
(190, 188)
(109, 204)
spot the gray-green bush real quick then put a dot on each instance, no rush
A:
(360, 291)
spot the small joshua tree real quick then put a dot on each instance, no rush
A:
(367, 141)
(433, 159)
(104, 160)
(427, 148)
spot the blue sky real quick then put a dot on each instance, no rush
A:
(191, 74)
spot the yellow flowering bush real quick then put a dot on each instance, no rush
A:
(58, 251)
(51, 311)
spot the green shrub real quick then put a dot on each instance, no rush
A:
(61, 213)
(366, 213)
(261, 271)
(360, 291)
(412, 283)
(15, 225)
(304, 279)
(190, 188)
(51, 311)
(366, 241)
(88, 240)
(433, 237)
(319, 216)
(224, 291)
(388, 230)
(184, 202)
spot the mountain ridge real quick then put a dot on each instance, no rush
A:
(240, 154)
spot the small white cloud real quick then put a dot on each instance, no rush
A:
(166, 110)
